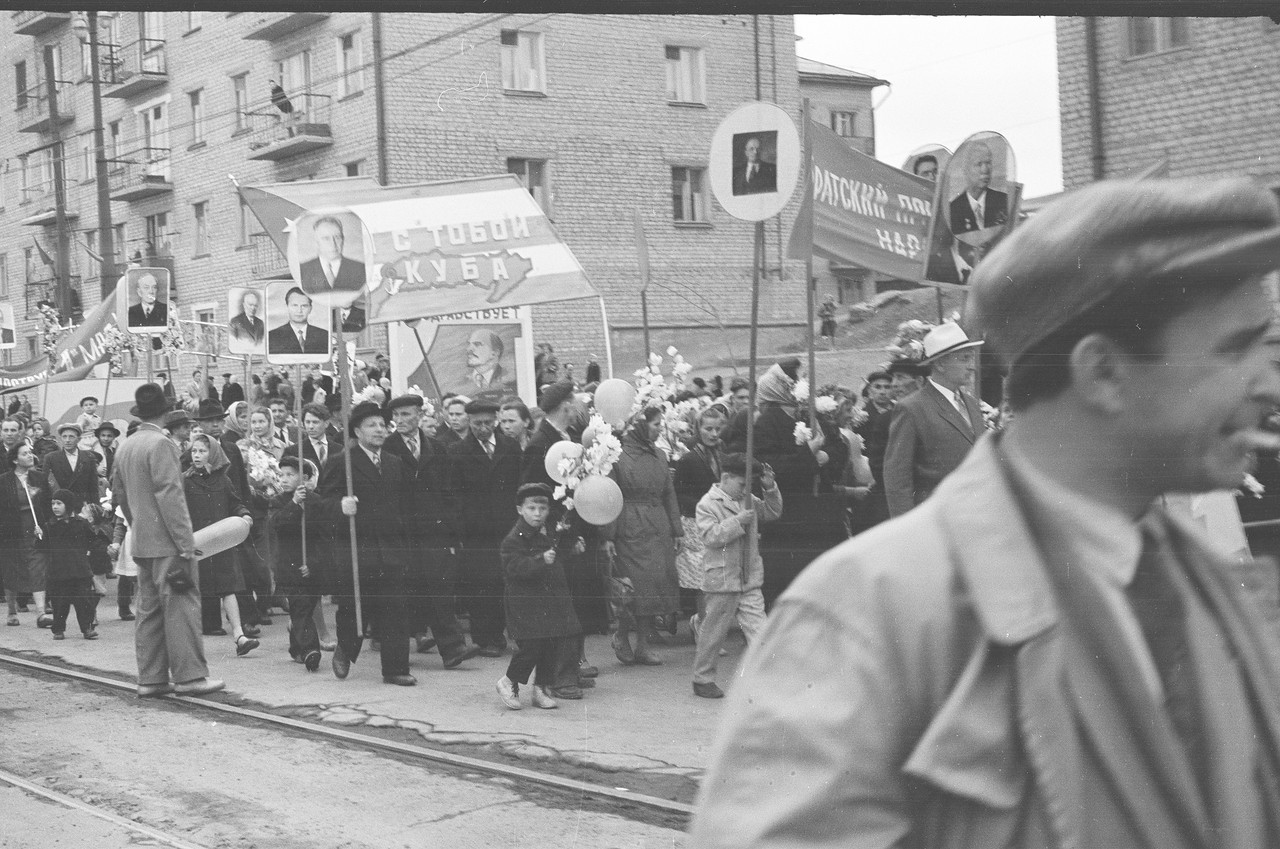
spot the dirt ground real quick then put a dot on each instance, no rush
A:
(238, 785)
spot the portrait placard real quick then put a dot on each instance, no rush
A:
(144, 300)
(480, 354)
(755, 161)
(298, 328)
(246, 327)
(330, 255)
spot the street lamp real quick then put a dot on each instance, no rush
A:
(85, 26)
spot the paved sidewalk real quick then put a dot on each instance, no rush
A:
(637, 718)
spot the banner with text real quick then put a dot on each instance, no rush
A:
(74, 355)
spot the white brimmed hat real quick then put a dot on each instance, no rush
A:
(946, 338)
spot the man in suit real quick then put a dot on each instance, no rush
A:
(383, 507)
(1041, 655)
(434, 538)
(874, 431)
(170, 394)
(330, 271)
(298, 335)
(148, 312)
(485, 371)
(979, 207)
(11, 434)
(457, 426)
(752, 175)
(106, 434)
(246, 327)
(147, 485)
(933, 429)
(318, 445)
(71, 467)
(231, 391)
(482, 474)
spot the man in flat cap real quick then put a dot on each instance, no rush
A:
(71, 467)
(1038, 655)
(932, 430)
(482, 473)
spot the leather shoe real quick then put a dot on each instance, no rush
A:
(399, 680)
(199, 687)
(622, 649)
(126, 616)
(149, 690)
(490, 651)
(424, 644)
(44, 620)
(585, 683)
(341, 664)
(251, 631)
(572, 692)
(467, 653)
(709, 690)
(312, 660)
(586, 670)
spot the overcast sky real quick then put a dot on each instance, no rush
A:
(951, 77)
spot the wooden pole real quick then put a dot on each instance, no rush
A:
(938, 291)
(302, 477)
(757, 257)
(434, 388)
(644, 319)
(347, 388)
(810, 291)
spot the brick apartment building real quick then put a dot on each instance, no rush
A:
(600, 115)
(1198, 96)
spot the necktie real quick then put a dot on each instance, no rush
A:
(488, 449)
(328, 273)
(1161, 613)
(302, 339)
(321, 453)
(479, 379)
(751, 173)
(377, 461)
(963, 409)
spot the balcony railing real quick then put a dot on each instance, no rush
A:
(265, 259)
(134, 68)
(271, 26)
(34, 22)
(276, 135)
(38, 290)
(139, 174)
(33, 107)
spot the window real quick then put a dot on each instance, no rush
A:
(685, 75)
(152, 30)
(354, 168)
(688, 195)
(240, 91)
(20, 84)
(112, 141)
(122, 254)
(4, 275)
(28, 264)
(533, 174)
(194, 19)
(245, 229)
(351, 79)
(294, 75)
(1153, 35)
(196, 99)
(523, 65)
(90, 238)
(845, 124)
(201, 213)
(87, 159)
(158, 235)
(33, 348)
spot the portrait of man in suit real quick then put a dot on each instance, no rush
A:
(297, 335)
(752, 173)
(8, 335)
(248, 332)
(149, 307)
(979, 206)
(484, 363)
(331, 272)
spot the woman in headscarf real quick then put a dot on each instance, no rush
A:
(24, 513)
(253, 432)
(262, 434)
(42, 441)
(695, 473)
(211, 497)
(642, 541)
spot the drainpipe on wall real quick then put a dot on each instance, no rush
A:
(1097, 154)
(379, 99)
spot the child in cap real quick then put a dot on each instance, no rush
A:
(299, 579)
(730, 590)
(67, 539)
(539, 608)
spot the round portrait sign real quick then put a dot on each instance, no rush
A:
(755, 161)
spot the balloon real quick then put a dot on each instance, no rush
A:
(560, 451)
(613, 400)
(589, 437)
(598, 500)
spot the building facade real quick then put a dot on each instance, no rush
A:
(1190, 96)
(600, 116)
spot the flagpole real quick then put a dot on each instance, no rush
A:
(642, 252)
(302, 469)
(757, 258)
(810, 284)
(608, 341)
(426, 362)
(344, 376)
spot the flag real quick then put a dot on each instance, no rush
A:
(94, 256)
(44, 257)
(642, 249)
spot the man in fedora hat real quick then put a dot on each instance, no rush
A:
(1040, 655)
(147, 485)
(105, 447)
(383, 507)
(71, 467)
(178, 425)
(933, 429)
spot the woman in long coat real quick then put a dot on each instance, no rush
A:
(642, 541)
(24, 513)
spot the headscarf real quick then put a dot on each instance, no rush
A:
(638, 432)
(776, 387)
(231, 422)
(217, 457)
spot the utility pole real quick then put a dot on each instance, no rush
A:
(106, 235)
(62, 272)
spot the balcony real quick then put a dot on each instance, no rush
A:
(271, 26)
(266, 262)
(38, 22)
(33, 108)
(135, 68)
(40, 208)
(44, 286)
(276, 136)
(140, 174)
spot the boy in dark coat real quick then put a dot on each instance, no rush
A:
(299, 581)
(67, 540)
(539, 608)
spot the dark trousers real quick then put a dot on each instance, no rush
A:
(567, 659)
(67, 593)
(210, 613)
(431, 602)
(540, 653)
(480, 588)
(124, 592)
(388, 607)
(303, 638)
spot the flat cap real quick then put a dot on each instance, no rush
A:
(1119, 239)
(410, 399)
(70, 426)
(482, 405)
(533, 490)
(364, 410)
(176, 418)
(554, 395)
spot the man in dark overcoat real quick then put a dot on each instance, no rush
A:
(71, 467)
